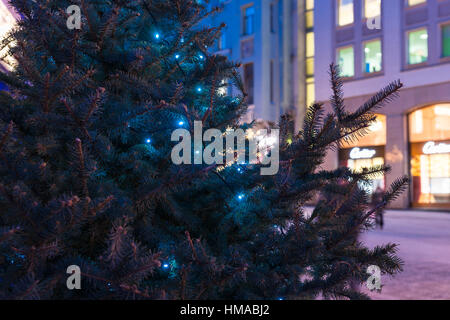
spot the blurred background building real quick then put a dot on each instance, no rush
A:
(286, 47)
(410, 42)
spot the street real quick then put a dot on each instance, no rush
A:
(424, 246)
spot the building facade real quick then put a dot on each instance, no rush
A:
(375, 42)
(269, 38)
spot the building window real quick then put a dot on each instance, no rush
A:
(310, 54)
(445, 31)
(412, 3)
(429, 135)
(310, 91)
(345, 12)
(222, 44)
(372, 8)
(249, 82)
(309, 14)
(373, 56)
(249, 20)
(418, 46)
(346, 61)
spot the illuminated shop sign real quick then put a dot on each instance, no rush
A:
(358, 153)
(363, 153)
(432, 147)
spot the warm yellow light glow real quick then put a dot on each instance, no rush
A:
(430, 124)
(442, 110)
(372, 8)
(418, 120)
(376, 135)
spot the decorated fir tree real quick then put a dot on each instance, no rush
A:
(87, 179)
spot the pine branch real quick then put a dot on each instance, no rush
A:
(380, 99)
(337, 99)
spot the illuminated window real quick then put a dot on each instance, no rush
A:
(345, 12)
(372, 56)
(429, 134)
(372, 8)
(309, 67)
(430, 123)
(309, 52)
(415, 2)
(310, 91)
(309, 19)
(418, 46)
(445, 30)
(310, 44)
(346, 61)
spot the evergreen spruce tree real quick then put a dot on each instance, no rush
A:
(86, 176)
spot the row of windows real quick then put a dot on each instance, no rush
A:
(371, 9)
(309, 51)
(417, 52)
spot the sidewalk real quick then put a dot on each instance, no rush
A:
(424, 245)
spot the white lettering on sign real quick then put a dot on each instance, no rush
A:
(358, 153)
(433, 148)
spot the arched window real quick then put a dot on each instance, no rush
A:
(429, 137)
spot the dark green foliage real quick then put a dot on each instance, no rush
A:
(80, 185)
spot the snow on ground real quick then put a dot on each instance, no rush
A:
(424, 246)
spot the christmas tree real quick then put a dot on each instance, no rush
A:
(87, 177)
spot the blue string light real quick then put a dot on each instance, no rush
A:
(181, 123)
(199, 89)
(157, 36)
(241, 196)
(148, 141)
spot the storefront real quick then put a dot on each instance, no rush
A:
(367, 152)
(429, 136)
